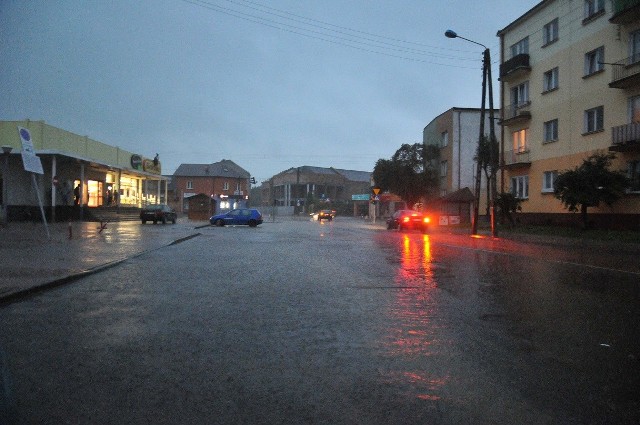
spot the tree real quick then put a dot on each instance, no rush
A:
(406, 174)
(590, 184)
(488, 161)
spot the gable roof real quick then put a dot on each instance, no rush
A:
(224, 168)
(351, 175)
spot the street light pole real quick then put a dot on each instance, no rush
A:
(6, 150)
(486, 78)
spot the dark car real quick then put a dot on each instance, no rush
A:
(242, 216)
(326, 215)
(158, 213)
(408, 219)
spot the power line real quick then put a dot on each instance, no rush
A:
(355, 42)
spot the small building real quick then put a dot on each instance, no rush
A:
(225, 182)
(201, 207)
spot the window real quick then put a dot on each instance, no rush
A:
(520, 95)
(633, 172)
(593, 7)
(594, 61)
(594, 119)
(225, 186)
(238, 187)
(550, 80)
(551, 131)
(189, 184)
(521, 47)
(520, 140)
(634, 109)
(548, 179)
(550, 32)
(444, 139)
(634, 47)
(443, 169)
(520, 187)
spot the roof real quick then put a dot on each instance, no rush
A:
(461, 195)
(224, 168)
(351, 175)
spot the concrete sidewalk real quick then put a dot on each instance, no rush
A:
(30, 261)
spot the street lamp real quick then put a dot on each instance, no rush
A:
(6, 150)
(493, 158)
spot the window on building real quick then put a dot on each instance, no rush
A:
(520, 187)
(594, 61)
(550, 80)
(594, 119)
(443, 169)
(633, 172)
(548, 179)
(592, 8)
(521, 47)
(225, 186)
(550, 32)
(634, 47)
(444, 139)
(551, 131)
(520, 95)
(238, 186)
(189, 184)
(520, 140)
(634, 109)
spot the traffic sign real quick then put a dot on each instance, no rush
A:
(30, 160)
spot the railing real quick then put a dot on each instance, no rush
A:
(518, 156)
(625, 69)
(625, 11)
(521, 110)
(625, 133)
(517, 62)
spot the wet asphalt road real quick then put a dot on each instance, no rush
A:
(335, 323)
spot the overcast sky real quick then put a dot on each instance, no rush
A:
(267, 84)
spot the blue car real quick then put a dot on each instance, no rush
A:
(246, 216)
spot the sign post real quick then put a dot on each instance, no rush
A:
(33, 165)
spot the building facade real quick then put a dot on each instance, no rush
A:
(570, 87)
(225, 182)
(292, 189)
(455, 134)
(80, 175)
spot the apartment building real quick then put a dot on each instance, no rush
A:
(569, 87)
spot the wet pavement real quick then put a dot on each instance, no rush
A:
(33, 261)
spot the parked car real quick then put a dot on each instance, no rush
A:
(326, 215)
(408, 219)
(158, 213)
(243, 216)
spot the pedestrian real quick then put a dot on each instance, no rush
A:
(76, 195)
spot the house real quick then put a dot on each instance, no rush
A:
(225, 182)
(454, 135)
(570, 87)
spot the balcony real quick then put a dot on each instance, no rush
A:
(625, 11)
(516, 113)
(515, 66)
(625, 138)
(626, 73)
(517, 157)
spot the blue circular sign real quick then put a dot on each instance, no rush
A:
(24, 133)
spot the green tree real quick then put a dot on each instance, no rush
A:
(590, 184)
(406, 174)
(488, 161)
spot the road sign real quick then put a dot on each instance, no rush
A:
(30, 160)
(376, 190)
(364, 197)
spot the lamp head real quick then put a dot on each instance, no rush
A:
(450, 34)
